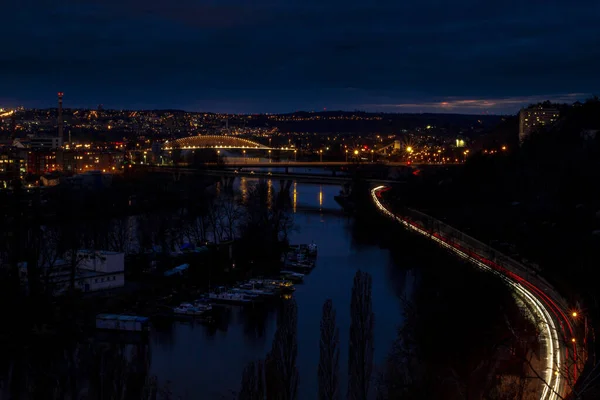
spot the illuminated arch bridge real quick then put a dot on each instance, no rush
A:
(217, 142)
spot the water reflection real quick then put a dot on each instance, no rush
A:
(218, 353)
(295, 200)
(244, 189)
(320, 197)
(255, 322)
(270, 193)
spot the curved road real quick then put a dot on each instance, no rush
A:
(542, 306)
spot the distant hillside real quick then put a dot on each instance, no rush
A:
(363, 122)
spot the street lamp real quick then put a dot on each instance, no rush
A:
(346, 155)
(295, 151)
(321, 155)
(372, 155)
(269, 155)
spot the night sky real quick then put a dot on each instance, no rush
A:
(469, 56)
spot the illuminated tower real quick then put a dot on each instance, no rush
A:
(60, 118)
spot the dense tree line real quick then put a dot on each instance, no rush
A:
(135, 215)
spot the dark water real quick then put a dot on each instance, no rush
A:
(203, 363)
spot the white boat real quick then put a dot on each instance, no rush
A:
(188, 309)
(292, 273)
(302, 265)
(229, 297)
(203, 306)
(292, 276)
(252, 291)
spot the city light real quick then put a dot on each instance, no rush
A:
(409, 149)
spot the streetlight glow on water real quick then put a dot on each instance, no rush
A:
(320, 196)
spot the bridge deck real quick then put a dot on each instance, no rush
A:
(304, 178)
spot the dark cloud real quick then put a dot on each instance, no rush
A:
(237, 55)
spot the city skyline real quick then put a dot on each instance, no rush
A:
(271, 57)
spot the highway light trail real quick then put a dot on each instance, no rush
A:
(541, 305)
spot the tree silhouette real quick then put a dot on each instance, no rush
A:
(328, 372)
(252, 382)
(280, 366)
(360, 354)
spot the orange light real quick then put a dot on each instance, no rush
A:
(573, 340)
(574, 314)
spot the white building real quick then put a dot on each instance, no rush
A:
(95, 270)
(101, 269)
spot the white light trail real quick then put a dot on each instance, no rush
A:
(552, 386)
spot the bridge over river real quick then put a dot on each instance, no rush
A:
(284, 177)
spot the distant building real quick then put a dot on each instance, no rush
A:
(45, 143)
(40, 162)
(76, 161)
(534, 118)
(12, 166)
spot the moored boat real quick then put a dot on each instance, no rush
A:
(222, 295)
(292, 276)
(277, 284)
(251, 289)
(230, 298)
(188, 309)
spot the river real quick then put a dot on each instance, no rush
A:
(204, 363)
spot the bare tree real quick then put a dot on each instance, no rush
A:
(360, 356)
(196, 221)
(50, 255)
(328, 372)
(120, 234)
(215, 218)
(231, 214)
(580, 381)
